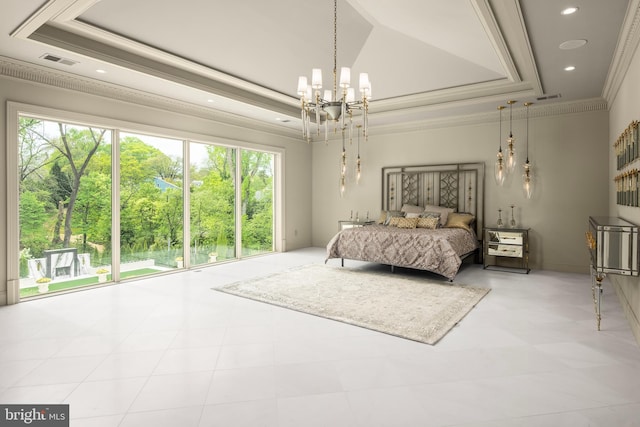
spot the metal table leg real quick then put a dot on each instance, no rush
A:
(596, 292)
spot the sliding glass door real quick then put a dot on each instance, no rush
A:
(69, 175)
(257, 202)
(212, 202)
(64, 205)
(151, 205)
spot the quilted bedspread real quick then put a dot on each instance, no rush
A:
(438, 251)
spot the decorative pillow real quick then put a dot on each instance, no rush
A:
(394, 221)
(392, 214)
(408, 222)
(430, 223)
(426, 214)
(442, 210)
(413, 215)
(411, 208)
(460, 220)
(382, 218)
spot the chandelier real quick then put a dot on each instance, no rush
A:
(335, 105)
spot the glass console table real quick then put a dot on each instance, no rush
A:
(613, 249)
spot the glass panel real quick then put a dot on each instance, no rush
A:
(212, 203)
(66, 214)
(64, 205)
(151, 204)
(257, 202)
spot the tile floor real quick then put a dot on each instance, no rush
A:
(169, 351)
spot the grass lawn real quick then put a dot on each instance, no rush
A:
(84, 281)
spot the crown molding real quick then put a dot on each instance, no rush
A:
(46, 76)
(627, 46)
(518, 113)
(535, 111)
(21, 70)
(455, 96)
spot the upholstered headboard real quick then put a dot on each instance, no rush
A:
(457, 185)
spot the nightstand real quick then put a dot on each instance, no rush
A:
(506, 249)
(348, 223)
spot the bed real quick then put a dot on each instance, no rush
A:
(455, 192)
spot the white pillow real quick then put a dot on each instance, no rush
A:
(412, 208)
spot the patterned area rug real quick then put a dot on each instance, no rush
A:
(408, 307)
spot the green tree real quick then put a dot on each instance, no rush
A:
(34, 152)
(77, 146)
(257, 208)
(169, 218)
(60, 188)
(136, 168)
(93, 210)
(33, 217)
(140, 199)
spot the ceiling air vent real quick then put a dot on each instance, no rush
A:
(546, 97)
(58, 59)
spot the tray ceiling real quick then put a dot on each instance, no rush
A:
(425, 58)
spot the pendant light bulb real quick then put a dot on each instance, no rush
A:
(527, 177)
(527, 181)
(511, 150)
(499, 168)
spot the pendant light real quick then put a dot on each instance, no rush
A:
(511, 151)
(527, 177)
(500, 167)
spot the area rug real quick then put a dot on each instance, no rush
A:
(405, 306)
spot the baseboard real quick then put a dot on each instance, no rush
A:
(633, 320)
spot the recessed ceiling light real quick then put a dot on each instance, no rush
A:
(569, 11)
(101, 71)
(210, 100)
(572, 44)
(570, 68)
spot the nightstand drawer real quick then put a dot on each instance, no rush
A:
(496, 249)
(506, 237)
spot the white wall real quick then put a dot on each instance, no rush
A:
(624, 109)
(567, 151)
(297, 232)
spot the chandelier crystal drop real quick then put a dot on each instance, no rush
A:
(358, 161)
(337, 105)
(343, 168)
(500, 169)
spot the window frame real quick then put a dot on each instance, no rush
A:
(17, 109)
